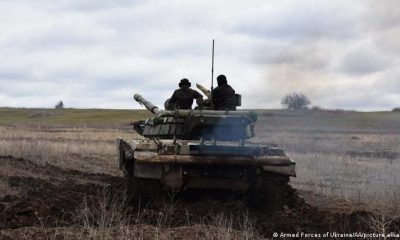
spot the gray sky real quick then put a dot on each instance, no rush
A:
(97, 53)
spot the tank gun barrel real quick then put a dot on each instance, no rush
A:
(149, 106)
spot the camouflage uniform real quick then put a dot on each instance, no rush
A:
(223, 95)
(183, 98)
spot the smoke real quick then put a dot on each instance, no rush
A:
(357, 71)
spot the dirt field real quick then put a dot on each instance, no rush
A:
(59, 179)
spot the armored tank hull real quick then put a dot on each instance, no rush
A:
(195, 149)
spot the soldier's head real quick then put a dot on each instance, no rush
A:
(221, 80)
(184, 83)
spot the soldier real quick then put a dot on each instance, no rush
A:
(223, 95)
(183, 97)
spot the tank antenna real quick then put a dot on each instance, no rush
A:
(212, 76)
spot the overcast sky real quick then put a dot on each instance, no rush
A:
(97, 53)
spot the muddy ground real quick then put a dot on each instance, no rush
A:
(50, 200)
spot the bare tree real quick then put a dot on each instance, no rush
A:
(59, 105)
(296, 101)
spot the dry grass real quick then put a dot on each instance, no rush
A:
(221, 226)
(89, 150)
(373, 182)
(106, 218)
(383, 222)
(354, 157)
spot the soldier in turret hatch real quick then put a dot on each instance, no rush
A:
(223, 96)
(183, 97)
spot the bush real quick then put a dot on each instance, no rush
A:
(296, 101)
(317, 108)
(59, 105)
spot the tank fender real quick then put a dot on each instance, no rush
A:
(288, 170)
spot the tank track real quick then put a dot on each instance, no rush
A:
(127, 155)
(138, 190)
(273, 193)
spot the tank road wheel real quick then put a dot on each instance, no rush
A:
(273, 193)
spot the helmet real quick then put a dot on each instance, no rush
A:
(184, 82)
(221, 79)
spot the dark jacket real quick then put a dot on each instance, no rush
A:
(224, 97)
(183, 98)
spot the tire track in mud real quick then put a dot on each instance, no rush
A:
(51, 196)
(52, 171)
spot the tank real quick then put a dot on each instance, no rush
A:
(183, 150)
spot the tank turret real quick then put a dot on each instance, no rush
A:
(195, 124)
